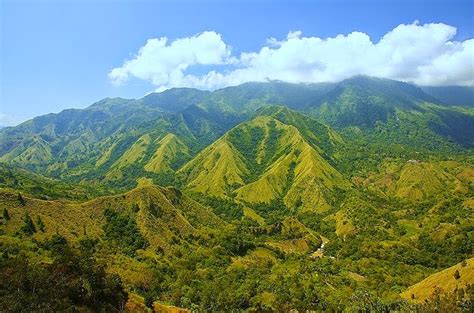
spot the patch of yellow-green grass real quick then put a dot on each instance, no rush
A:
(214, 169)
(135, 153)
(144, 181)
(442, 231)
(416, 180)
(30, 249)
(355, 276)
(68, 218)
(131, 271)
(419, 180)
(468, 203)
(344, 225)
(389, 243)
(466, 174)
(35, 151)
(380, 182)
(265, 299)
(106, 156)
(136, 303)
(114, 174)
(410, 226)
(260, 257)
(299, 246)
(251, 214)
(444, 280)
(162, 214)
(169, 149)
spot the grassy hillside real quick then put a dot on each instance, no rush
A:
(17, 179)
(265, 160)
(162, 215)
(169, 155)
(455, 278)
(416, 180)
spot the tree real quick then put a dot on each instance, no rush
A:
(6, 215)
(457, 275)
(40, 224)
(148, 299)
(21, 199)
(28, 226)
(84, 286)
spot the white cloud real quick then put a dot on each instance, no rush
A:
(424, 54)
(164, 64)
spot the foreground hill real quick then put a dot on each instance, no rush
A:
(161, 215)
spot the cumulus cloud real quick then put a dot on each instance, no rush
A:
(423, 54)
(164, 64)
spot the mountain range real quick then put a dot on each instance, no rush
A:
(321, 191)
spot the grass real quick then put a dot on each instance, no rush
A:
(344, 225)
(161, 215)
(281, 164)
(444, 279)
(136, 303)
(410, 226)
(135, 153)
(251, 214)
(170, 151)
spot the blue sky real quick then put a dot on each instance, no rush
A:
(57, 55)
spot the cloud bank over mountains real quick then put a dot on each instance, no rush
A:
(424, 54)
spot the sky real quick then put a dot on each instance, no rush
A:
(56, 54)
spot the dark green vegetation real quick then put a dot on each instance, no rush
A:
(347, 196)
(71, 280)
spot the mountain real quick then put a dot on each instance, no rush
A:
(175, 99)
(250, 96)
(362, 101)
(14, 178)
(264, 160)
(452, 95)
(114, 139)
(109, 135)
(170, 153)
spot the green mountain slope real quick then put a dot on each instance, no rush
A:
(452, 95)
(265, 160)
(444, 280)
(170, 154)
(161, 214)
(18, 179)
(214, 169)
(420, 180)
(368, 110)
